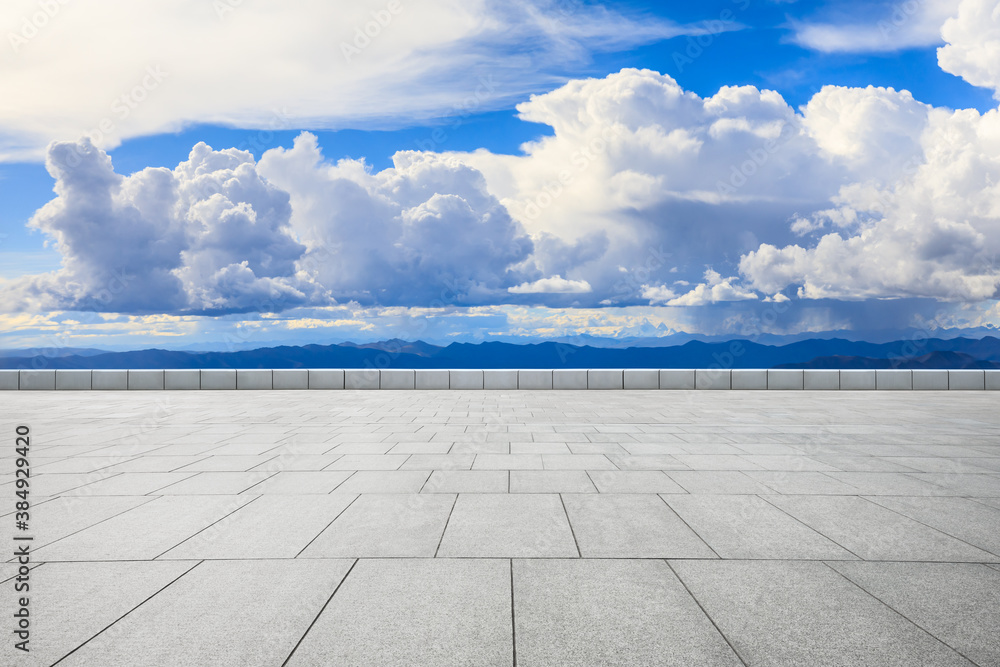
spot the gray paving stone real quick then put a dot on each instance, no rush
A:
(254, 379)
(508, 462)
(577, 462)
(561, 378)
(298, 482)
(958, 604)
(508, 526)
(968, 520)
(432, 379)
(713, 378)
(57, 518)
(717, 481)
(550, 481)
(605, 379)
(886, 484)
(109, 379)
(224, 463)
(385, 526)
(800, 613)
(749, 527)
(130, 484)
(415, 612)
(534, 379)
(290, 378)
(438, 462)
(182, 378)
(749, 378)
(127, 536)
(610, 612)
(631, 526)
(634, 481)
(801, 483)
(326, 378)
(963, 484)
(785, 379)
(218, 378)
(650, 462)
(677, 379)
(873, 532)
(268, 527)
(368, 462)
(467, 481)
(215, 483)
(73, 379)
(241, 631)
(72, 602)
(499, 379)
(385, 481)
(361, 378)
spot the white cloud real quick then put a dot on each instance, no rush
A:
(425, 231)
(897, 26)
(715, 289)
(657, 294)
(241, 63)
(210, 235)
(931, 231)
(973, 48)
(554, 285)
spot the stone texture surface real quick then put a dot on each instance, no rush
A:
(570, 527)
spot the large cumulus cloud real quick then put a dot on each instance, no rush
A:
(208, 236)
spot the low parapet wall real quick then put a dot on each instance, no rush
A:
(739, 379)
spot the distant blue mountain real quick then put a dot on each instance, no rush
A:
(813, 353)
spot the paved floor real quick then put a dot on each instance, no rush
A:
(499, 528)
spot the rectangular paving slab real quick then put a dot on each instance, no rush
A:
(610, 612)
(407, 612)
(631, 526)
(508, 526)
(800, 613)
(384, 526)
(957, 603)
(239, 630)
(750, 527)
(873, 532)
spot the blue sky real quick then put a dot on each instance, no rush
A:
(476, 170)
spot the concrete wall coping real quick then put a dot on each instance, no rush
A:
(503, 379)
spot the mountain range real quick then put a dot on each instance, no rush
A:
(811, 353)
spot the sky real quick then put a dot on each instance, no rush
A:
(211, 173)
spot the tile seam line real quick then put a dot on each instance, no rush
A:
(320, 613)
(316, 536)
(795, 518)
(198, 532)
(937, 530)
(119, 619)
(689, 527)
(572, 532)
(705, 611)
(901, 614)
(513, 616)
(151, 499)
(445, 529)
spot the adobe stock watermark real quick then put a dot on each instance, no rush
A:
(485, 91)
(581, 160)
(902, 13)
(363, 35)
(122, 107)
(741, 174)
(32, 25)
